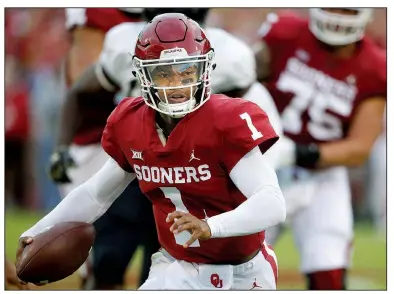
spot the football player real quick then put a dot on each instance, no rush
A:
(198, 157)
(78, 155)
(114, 73)
(329, 84)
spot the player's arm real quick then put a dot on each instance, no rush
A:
(274, 35)
(86, 45)
(247, 135)
(89, 201)
(268, 35)
(101, 80)
(86, 86)
(365, 128)
(263, 60)
(265, 205)
(263, 208)
(94, 82)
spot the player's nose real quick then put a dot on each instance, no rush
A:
(176, 80)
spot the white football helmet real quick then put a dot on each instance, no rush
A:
(339, 29)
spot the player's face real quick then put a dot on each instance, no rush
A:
(179, 81)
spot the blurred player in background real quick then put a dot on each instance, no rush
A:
(16, 137)
(154, 136)
(78, 154)
(329, 83)
(234, 75)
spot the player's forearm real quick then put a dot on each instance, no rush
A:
(86, 46)
(69, 119)
(263, 60)
(265, 206)
(78, 206)
(264, 209)
(86, 86)
(90, 200)
(346, 153)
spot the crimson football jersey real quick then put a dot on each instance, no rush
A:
(191, 172)
(317, 93)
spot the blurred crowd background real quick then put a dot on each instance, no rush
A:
(36, 42)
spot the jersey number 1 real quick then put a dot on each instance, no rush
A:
(255, 133)
(174, 195)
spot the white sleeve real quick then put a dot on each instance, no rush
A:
(89, 201)
(265, 206)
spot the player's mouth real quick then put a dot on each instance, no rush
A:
(177, 98)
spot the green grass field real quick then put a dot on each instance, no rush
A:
(368, 272)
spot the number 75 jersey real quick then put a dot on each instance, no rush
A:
(316, 93)
(191, 171)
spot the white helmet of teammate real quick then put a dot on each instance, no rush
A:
(339, 29)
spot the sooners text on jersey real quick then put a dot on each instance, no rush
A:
(191, 172)
(316, 93)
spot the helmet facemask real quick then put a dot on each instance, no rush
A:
(339, 29)
(177, 83)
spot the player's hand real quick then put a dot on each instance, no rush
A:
(185, 221)
(11, 279)
(59, 162)
(23, 242)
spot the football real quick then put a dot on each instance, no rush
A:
(56, 253)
